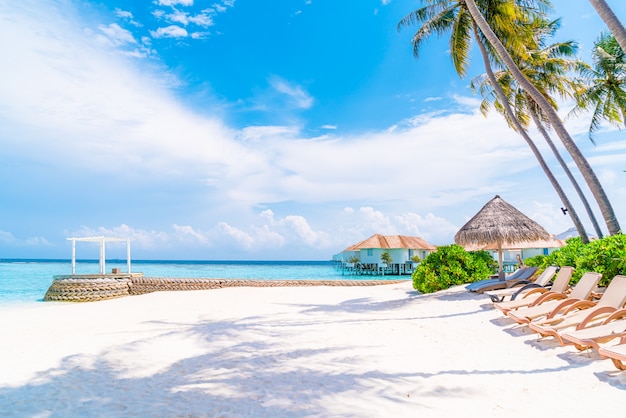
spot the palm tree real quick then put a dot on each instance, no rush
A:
(555, 121)
(606, 88)
(512, 118)
(612, 22)
(546, 68)
(439, 17)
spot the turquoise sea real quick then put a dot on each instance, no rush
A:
(23, 281)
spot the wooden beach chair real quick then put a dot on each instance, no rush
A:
(584, 312)
(616, 353)
(589, 335)
(557, 302)
(522, 286)
(537, 295)
(524, 273)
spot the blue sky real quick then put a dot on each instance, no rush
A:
(240, 129)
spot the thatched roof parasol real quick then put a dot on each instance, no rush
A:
(499, 225)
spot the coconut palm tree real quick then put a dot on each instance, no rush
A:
(605, 91)
(440, 17)
(547, 68)
(612, 22)
(516, 124)
(555, 121)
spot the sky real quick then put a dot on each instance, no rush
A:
(241, 129)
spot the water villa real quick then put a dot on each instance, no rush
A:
(366, 257)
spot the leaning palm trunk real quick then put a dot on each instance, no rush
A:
(612, 22)
(568, 172)
(520, 129)
(553, 117)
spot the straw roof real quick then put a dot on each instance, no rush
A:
(542, 243)
(391, 242)
(501, 225)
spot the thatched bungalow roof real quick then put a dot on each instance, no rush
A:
(392, 242)
(499, 225)
(498, 222)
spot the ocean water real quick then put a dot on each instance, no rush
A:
(25, 281)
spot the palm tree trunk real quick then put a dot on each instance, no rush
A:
(612, 22)
(568, 172)
(553, 117)
(520, 129)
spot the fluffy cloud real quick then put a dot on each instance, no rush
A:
(171, 31)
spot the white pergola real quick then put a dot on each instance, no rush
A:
(102, 241)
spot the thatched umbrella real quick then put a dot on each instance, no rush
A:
(499, 225)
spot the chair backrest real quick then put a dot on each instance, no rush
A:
(563, 277)
(525, 273)
(615, 293)
(585, 286)
(547, 275)
(515, 274)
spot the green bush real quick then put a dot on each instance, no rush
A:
(536, 261)
(451, 265)
(606, 255)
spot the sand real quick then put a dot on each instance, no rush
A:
(382, 351)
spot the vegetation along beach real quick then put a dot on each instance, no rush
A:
(311, 208)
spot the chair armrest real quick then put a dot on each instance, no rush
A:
(594, 314)
(561, 306)
(548, 296)
(580, 305)
(618, 314)
(537, 289)
(524, 288)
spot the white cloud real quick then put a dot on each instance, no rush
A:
(428, 227)
(188, 233)
(123, 13)
(178, 17)
(171, 31)
(8, 239)
(203, 19)
(296, 93)
(140, 237)
(378, 221)
(200, 35)
(116, 35)
(174, 2)
(241, 238)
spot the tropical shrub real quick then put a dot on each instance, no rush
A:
(451, 265)
(536, 261)
(606, 255)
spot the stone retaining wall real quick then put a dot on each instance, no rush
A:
(76, 289)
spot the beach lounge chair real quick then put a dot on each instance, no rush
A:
(524, 273)
(522, 286)
(616, 353)
(584, 312)
(556, 302)
(478, 284)
(537, 295)
(588, 335)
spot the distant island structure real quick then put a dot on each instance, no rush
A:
(366, 257)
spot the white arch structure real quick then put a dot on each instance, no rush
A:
(102, 241)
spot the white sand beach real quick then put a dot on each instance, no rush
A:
(381, 351)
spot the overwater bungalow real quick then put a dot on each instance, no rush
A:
(365, 257)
